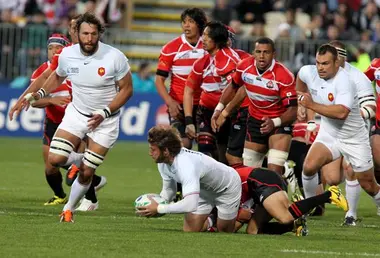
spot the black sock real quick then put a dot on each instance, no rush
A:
(179, 187)
(96, 180)
(302, 207)
(91, 195)
(276, 228)
(55, 183)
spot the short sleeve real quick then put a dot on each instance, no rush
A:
(61, 68)
(345, 89)
(121, 66)
(237, 75)
(195, 78)
(165, 61)
(302, 74)
(364, 85)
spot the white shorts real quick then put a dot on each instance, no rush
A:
(227, 202)
(75, 123)
(356, 150)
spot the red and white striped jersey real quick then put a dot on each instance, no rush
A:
(269, 93)
(373, 73)
(212, 74)
(300, 130)
(243, 55)
(177, 58)
(54, 113)
(54, 60)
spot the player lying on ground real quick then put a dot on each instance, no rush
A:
(268, 191)
(206, 183)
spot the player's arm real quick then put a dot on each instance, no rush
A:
(125, 93)
(367, 100)
(169, 189)
(56, 101)
(190, 188)
(301, 86)
(235, 103)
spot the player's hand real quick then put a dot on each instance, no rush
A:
(17, 108)
(305, 99)
(221, 119)
(149, 210)
(174, 109)
(94, 121)
(301, 113)
(190, 131)
(214, 118)
(267, 126)
(60, 101)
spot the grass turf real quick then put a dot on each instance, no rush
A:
(28, 228)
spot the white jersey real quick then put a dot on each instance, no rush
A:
(94, 77)
(363, 85)
(339, 90)
(197, 171)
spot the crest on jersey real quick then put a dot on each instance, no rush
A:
(270, 85)
(101, 71)
(330, 97)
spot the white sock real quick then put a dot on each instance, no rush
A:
(77, 192)
(310, 185)
(74, 158)
(376, 199)
(352, 195)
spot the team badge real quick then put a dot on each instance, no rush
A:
(330, 97)
(101, 71)
(270, 85)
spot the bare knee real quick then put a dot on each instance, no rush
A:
(309, 168)
(368, 182)
(285, 219)
(56, 160)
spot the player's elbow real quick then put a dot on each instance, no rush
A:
(344, 113)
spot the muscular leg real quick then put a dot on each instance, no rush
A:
(94, 156)
(61, 146)
(318, 156)
(279, 145)
(333, 172)
(53, 175)
(254, 153)
(368, 183)
(353, 190)
(195, 222)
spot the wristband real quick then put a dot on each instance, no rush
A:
(189, 120)
(105, 113)
(219, 107)
(311, 125)
(162, 208)
(276, 121)
(42, 93)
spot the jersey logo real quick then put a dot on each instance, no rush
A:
(270, 85)
(330, 97)
(101, 71)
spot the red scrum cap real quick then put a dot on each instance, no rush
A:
(58, 39)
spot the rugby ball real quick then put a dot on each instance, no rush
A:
(143, 200)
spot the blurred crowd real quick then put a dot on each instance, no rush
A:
(313, 19)
(57, 13)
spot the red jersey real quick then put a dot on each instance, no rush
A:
(177, 57)
(54, 60)
(243, 55)
(54, 113)
(212, 74)
(244, 172)
(269, 93)
(373, 73)
(300, 130)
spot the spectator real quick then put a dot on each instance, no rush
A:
(142, 80)
(248, 10)
(344, 10)
(332, 33)
(222, 12)
(365, 41)
(345, 32)
(295, 32)
(314, 29)
(258, 28)
(368, 17)
(376, 32)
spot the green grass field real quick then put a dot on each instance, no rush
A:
(28, 228)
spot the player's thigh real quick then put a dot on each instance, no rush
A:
(357, 152)
(93, 157)
(318, 155)
(277, 205)
(194, 222)
(254, 139)
(332, 172)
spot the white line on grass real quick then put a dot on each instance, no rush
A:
(328, 253)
